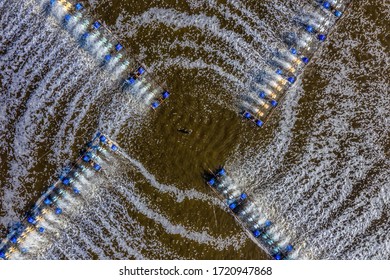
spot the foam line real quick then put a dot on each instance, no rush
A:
(180, 194)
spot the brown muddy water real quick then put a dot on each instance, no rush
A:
(318, 169)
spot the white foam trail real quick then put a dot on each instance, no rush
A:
(251, 16)
(212, 53)
(209, 25)
(273, 187)
(123, 110)
(200, 237)
(200, 64)
(70, 217)
(180, 194)
(266, 36)
(320, 197)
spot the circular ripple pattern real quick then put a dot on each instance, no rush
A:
(318, 169)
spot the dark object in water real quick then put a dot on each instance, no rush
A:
(185, 131)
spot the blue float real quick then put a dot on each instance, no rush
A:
(97, 167)
(96, 24)
(211, 182)
(267, 223)
(247, 115)
(31, 220)
(58, 211)
(107, 57)
(130, 81)
(259, 123)
(118, 47)
(76, 190)
(243, 196)
(67, 17)
(141, 70)
(78, 6)
(165, 95)
(155, 104)
(256, 233)
(103, 139)
(278, 257)
(14, 239)
(47, 201)
(85, 36)
(66, 181)
(52, 2)
(221, 172)
(114, 148)
(262, 94)
(233, 205)
(279, 71)
(41, 229)
(289, 248)
(273, 103)
(321, 37)
(305, 60)
(326, 5)
(293, 51)
(309, 29)
(86, 158)
(2, 254)
(338, 13)
(291, 80)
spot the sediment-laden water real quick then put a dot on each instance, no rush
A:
(318, 168)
